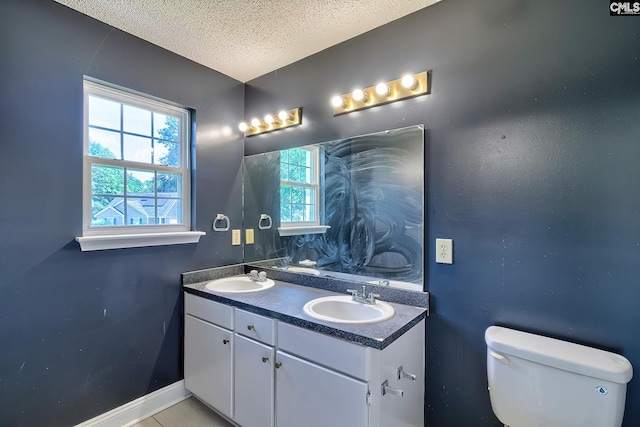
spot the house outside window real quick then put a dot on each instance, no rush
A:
(136, 164)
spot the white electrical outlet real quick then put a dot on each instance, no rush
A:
(235, 237)
(444, 251)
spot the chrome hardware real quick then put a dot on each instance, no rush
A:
(257, 277)
(267, 222)
(502, 359)
(222, 218)
(251, 327)
(277, 365)
(402, 374)
(386, 388)
(265, 359)
(361, 296)
(225, 342)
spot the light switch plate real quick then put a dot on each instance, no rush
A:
(249, 236)
(235, 237)
(444, 251)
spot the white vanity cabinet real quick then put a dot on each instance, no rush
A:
(260, 372)
(254, 370)
(208, 352)
(324, 381)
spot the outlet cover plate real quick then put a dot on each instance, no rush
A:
(235, 237)
(444, 251)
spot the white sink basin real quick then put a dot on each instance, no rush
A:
(342, 309)
(303, 270)
(238, 284)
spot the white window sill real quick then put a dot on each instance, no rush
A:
(121, 241)
(306, 229)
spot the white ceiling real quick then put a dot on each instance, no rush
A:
(245, 39)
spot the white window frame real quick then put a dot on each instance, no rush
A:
(291, 228)
(137, 235)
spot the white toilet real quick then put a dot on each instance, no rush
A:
(535, 381)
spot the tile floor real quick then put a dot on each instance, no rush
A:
(188, 413)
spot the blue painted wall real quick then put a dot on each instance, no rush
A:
(532, 167)
(83, 333)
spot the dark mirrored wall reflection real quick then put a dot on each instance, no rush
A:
(368, 190)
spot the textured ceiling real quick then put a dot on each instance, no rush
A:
(245, 39)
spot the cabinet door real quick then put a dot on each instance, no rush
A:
(312, 396)
(253, 383)
(207, 363)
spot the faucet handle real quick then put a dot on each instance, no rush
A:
(354, 292)
(372, 297)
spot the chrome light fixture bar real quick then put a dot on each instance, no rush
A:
(409, 86)
(270, 123)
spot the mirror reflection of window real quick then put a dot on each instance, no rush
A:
(299, 186)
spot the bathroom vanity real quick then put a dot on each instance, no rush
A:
(258, 359)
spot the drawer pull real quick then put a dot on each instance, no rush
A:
(225, 341)
(251, 327)
(402, 374)
(265, 359)
(387, 389)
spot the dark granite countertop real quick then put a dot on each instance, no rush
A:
(284, 301)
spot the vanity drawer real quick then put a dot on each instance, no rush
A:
(254, 326)
(340, 355)
(211, 311)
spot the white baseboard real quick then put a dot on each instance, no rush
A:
(141, 408)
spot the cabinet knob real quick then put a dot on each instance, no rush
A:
(251, 327)
(277, 365)
(265, 359)
(225, 341)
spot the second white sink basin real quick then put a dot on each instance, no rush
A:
(342, 309)
(239, 284)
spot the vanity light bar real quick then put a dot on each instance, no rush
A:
(270, 123)
(408, 86)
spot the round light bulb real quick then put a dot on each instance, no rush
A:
(408, 81)
(255, 123)
(382, 89)
(268, 119)
(337, 101)
(283, 115)
(243, 127)
(359, 95)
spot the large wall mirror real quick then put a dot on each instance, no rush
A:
(351, 209)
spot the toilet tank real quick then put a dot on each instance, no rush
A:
(536, 381)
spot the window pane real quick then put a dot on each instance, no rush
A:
(285, 194)
(106, 211)
(137, 148)
(284, 156)
(169, 211)
(107, 180)
(297, 212)
(136, 120)
(104, 113)
(166, 153)
(309, 213)
(166, 127)
(169, 185)
(309, 196)
(104, 143)
(139, 210)
(308, 158)
(284, 172)
(285, 213)
(297, 195)
(308, 176)
(140, 183)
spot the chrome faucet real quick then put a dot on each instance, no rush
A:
(361, 296)
(257, 277)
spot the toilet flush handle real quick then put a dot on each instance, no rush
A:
(502, 359)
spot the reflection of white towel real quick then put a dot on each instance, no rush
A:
(307, 262)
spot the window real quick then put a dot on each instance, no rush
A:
(136, 165)
(299, 187)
